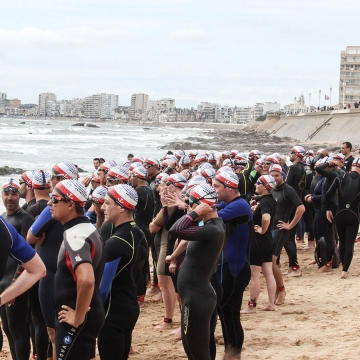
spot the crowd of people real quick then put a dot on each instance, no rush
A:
(75, 267)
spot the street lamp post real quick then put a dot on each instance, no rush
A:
(319, 98)
(343, 94)
(294, 104)
(309, 101)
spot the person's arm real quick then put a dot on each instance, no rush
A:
(298, 214)
(85, 285)
(40, 226)
(179, 250)
(265, 222)
(34, 270)
(238, 211)
(334, 186)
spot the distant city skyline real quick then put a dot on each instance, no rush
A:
(233, 53)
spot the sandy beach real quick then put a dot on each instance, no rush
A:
(319, 321)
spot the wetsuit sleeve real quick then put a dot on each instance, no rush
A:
(172, 218)
(265, 207)
(236, 211)
(316, 158)
(293, 197)
(42, 223)
(5, 243)
(335, 185)
(20, 250)
(108, 276)
(329, 174)
(187, 229)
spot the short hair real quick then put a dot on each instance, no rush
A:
(348, 144)
(130, 155)
(102, 160)
(79, 209)
(169, 153)
(96, 159)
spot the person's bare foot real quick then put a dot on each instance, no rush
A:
(344, 275)
(141, 304)
(153, 290)
(295, 273)
(268, 307)
(248, 310)
(313, 262)
(310, 245)
(177, 333)
(164, 326)
(281, 297)
(289, 271)
(326, 268)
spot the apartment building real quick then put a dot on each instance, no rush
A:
(139, 106)
(45, 109)
(100, 105)
(349, 84)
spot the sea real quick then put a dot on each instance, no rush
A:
(40, 144)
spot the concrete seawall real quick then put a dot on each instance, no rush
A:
(332, 127)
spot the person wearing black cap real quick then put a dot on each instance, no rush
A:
(122, 270)
(79, 272)
(14, 316)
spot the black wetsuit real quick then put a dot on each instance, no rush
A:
(262, 246)
(14, 317)
(244, 181)
(43, 310)
(328, 227)
(347, 216)
(118, 290)
(197, 295)
(348, 163)
(316, 201)
(296, 178)
(12, 244)
(309, 207)
(82, 244)
(143, 216)
(287, 201)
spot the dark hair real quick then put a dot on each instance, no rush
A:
(169, 153)
(348, 144)
(130, 155)
(102, 160)
(96, 159)
(79, 209)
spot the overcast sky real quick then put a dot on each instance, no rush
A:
(228, 52)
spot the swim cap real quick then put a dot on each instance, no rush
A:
(309, 160)
(208, 174)
(225, 154)
(27, 177)
(340, 157)
(196, 180)
(95, 177)
(299, 151)
(137, 158)
(177, 180)
(124, 195)
(119, 172)
(276, 167)
(204, 193)
(153, 162)
(140, 172)
(184, 161)
(227, 162)
(356, 162)
(322, 161)
(200, 157)
(107, 165)
(272, 158)
(259, 162)
(268, 181)
(310, 153)
(65, 169)
(205, 166)
(193, 153)
(134, 165)
(234, 152)
(228, 179)
(171, 158)
(241, 156)
(11, 185)
(179, 154)
(41, 180)
(212, 158)
(225, 168)
(98, 195)
(161, 177)
(72, 190)
(256, 153)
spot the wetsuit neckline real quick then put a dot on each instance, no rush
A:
(123, 224)
(78, 220)
(238, 197)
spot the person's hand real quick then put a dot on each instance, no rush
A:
(86, 181)
(168, 259)
(331, 163)
(175, 200)
(172, 268)
(308, 198)
(258, 229)
(163, 197)
(203, 209)
(253, 208)
(252, 201)
(68, 315)
(283, 225)
(329, 216)
(154, 228)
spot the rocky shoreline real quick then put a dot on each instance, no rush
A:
(244, 139)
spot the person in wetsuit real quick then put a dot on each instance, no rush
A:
(346, 148)
(78, 276)
(205, 232)
(48, 232)
(286, 201)
(26, 190)
(123, 266)
(15, 246)
(347, 215)
(234, 268)
(14, 316)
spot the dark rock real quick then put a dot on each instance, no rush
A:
(6, 170)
